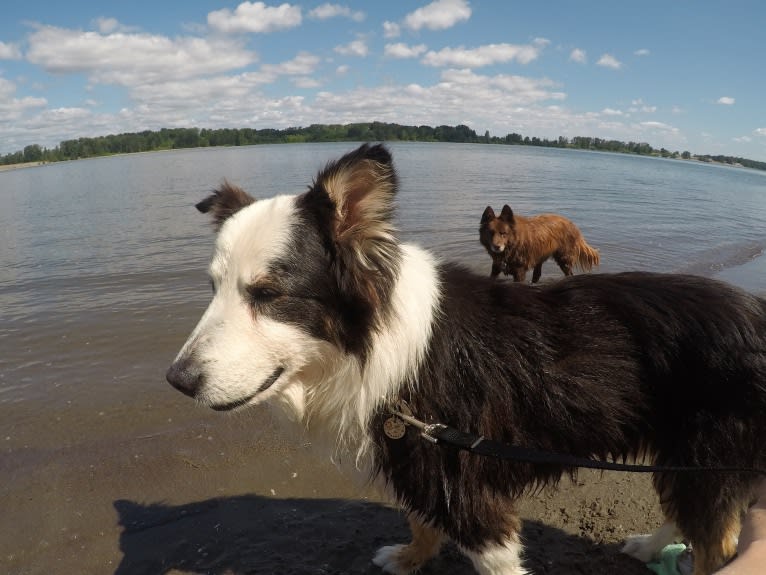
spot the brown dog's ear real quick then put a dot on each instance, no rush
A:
(488, 214)
(507, 214)
(224, 202)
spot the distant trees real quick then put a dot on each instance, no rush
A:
(176, 138)
(33, 153)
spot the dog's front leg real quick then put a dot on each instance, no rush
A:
(495, 270)
(519, 274)
(502, 557)
(403, 559)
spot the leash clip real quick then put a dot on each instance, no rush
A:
(430, 430)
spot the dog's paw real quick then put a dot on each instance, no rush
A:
(641, 547)
(393, 559)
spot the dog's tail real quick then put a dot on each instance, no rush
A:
(587, 256)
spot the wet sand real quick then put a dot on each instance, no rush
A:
(212, 493)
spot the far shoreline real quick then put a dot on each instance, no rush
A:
(694, 159)
(7, 167)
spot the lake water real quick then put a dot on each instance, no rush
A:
(103, 261)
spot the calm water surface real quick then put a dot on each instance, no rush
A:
(102, 262)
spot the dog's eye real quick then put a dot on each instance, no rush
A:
(262, 293)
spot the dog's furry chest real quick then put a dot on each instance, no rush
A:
(509, 259)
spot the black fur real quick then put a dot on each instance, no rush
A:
(224, 202)
(598, 365)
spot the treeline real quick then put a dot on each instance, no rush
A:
(177, 138)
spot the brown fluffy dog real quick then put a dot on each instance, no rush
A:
(517, 244)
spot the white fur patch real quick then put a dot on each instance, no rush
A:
(498, 559)
(388, 559)
(648, 547)
(237, 351)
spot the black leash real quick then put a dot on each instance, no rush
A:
(443, 434)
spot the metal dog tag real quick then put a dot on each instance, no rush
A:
(394, 427)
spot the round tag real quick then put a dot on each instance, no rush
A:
(394, 428)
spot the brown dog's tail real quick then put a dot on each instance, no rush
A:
(587, 257)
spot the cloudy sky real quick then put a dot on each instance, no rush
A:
(681, 75)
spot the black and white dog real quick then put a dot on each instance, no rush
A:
(319, 308)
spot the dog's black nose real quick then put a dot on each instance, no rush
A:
(185, 377)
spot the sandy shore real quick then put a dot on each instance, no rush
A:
(5, 167)
(213, 494)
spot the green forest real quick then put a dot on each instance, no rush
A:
(177, 138)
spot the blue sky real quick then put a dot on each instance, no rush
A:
(681, 75)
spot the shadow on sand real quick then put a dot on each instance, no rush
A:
(253, 534)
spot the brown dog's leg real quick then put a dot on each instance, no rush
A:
(518, 274)
(496, 266)
(538, 271)
(403, 559)
(565, 263)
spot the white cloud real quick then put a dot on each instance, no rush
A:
(306, 82)
(609, 61)
(612, 112)
(303, 64)
(9, 51)
(474, 87)
(355, 48)
(494, 99)
(642, 52)
(172, 97)
(578, 56)
(223, 91)
(743, 139)
(726, 100)
(391, 30)
(639, 106)
(327, 11)
(132, 59)
(12, 107)
(255, 17)
(438, 15)
(401, 50)
(760, 131)
(660, 126)
(481, 56)
(109, 25)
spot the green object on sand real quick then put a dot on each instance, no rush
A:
(668, 560)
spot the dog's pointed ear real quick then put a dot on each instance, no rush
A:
(488, 214)
(507, 213)
(361, 187)
(224, 202)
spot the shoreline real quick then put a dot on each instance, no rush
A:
(694, 159)
(7, 167)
